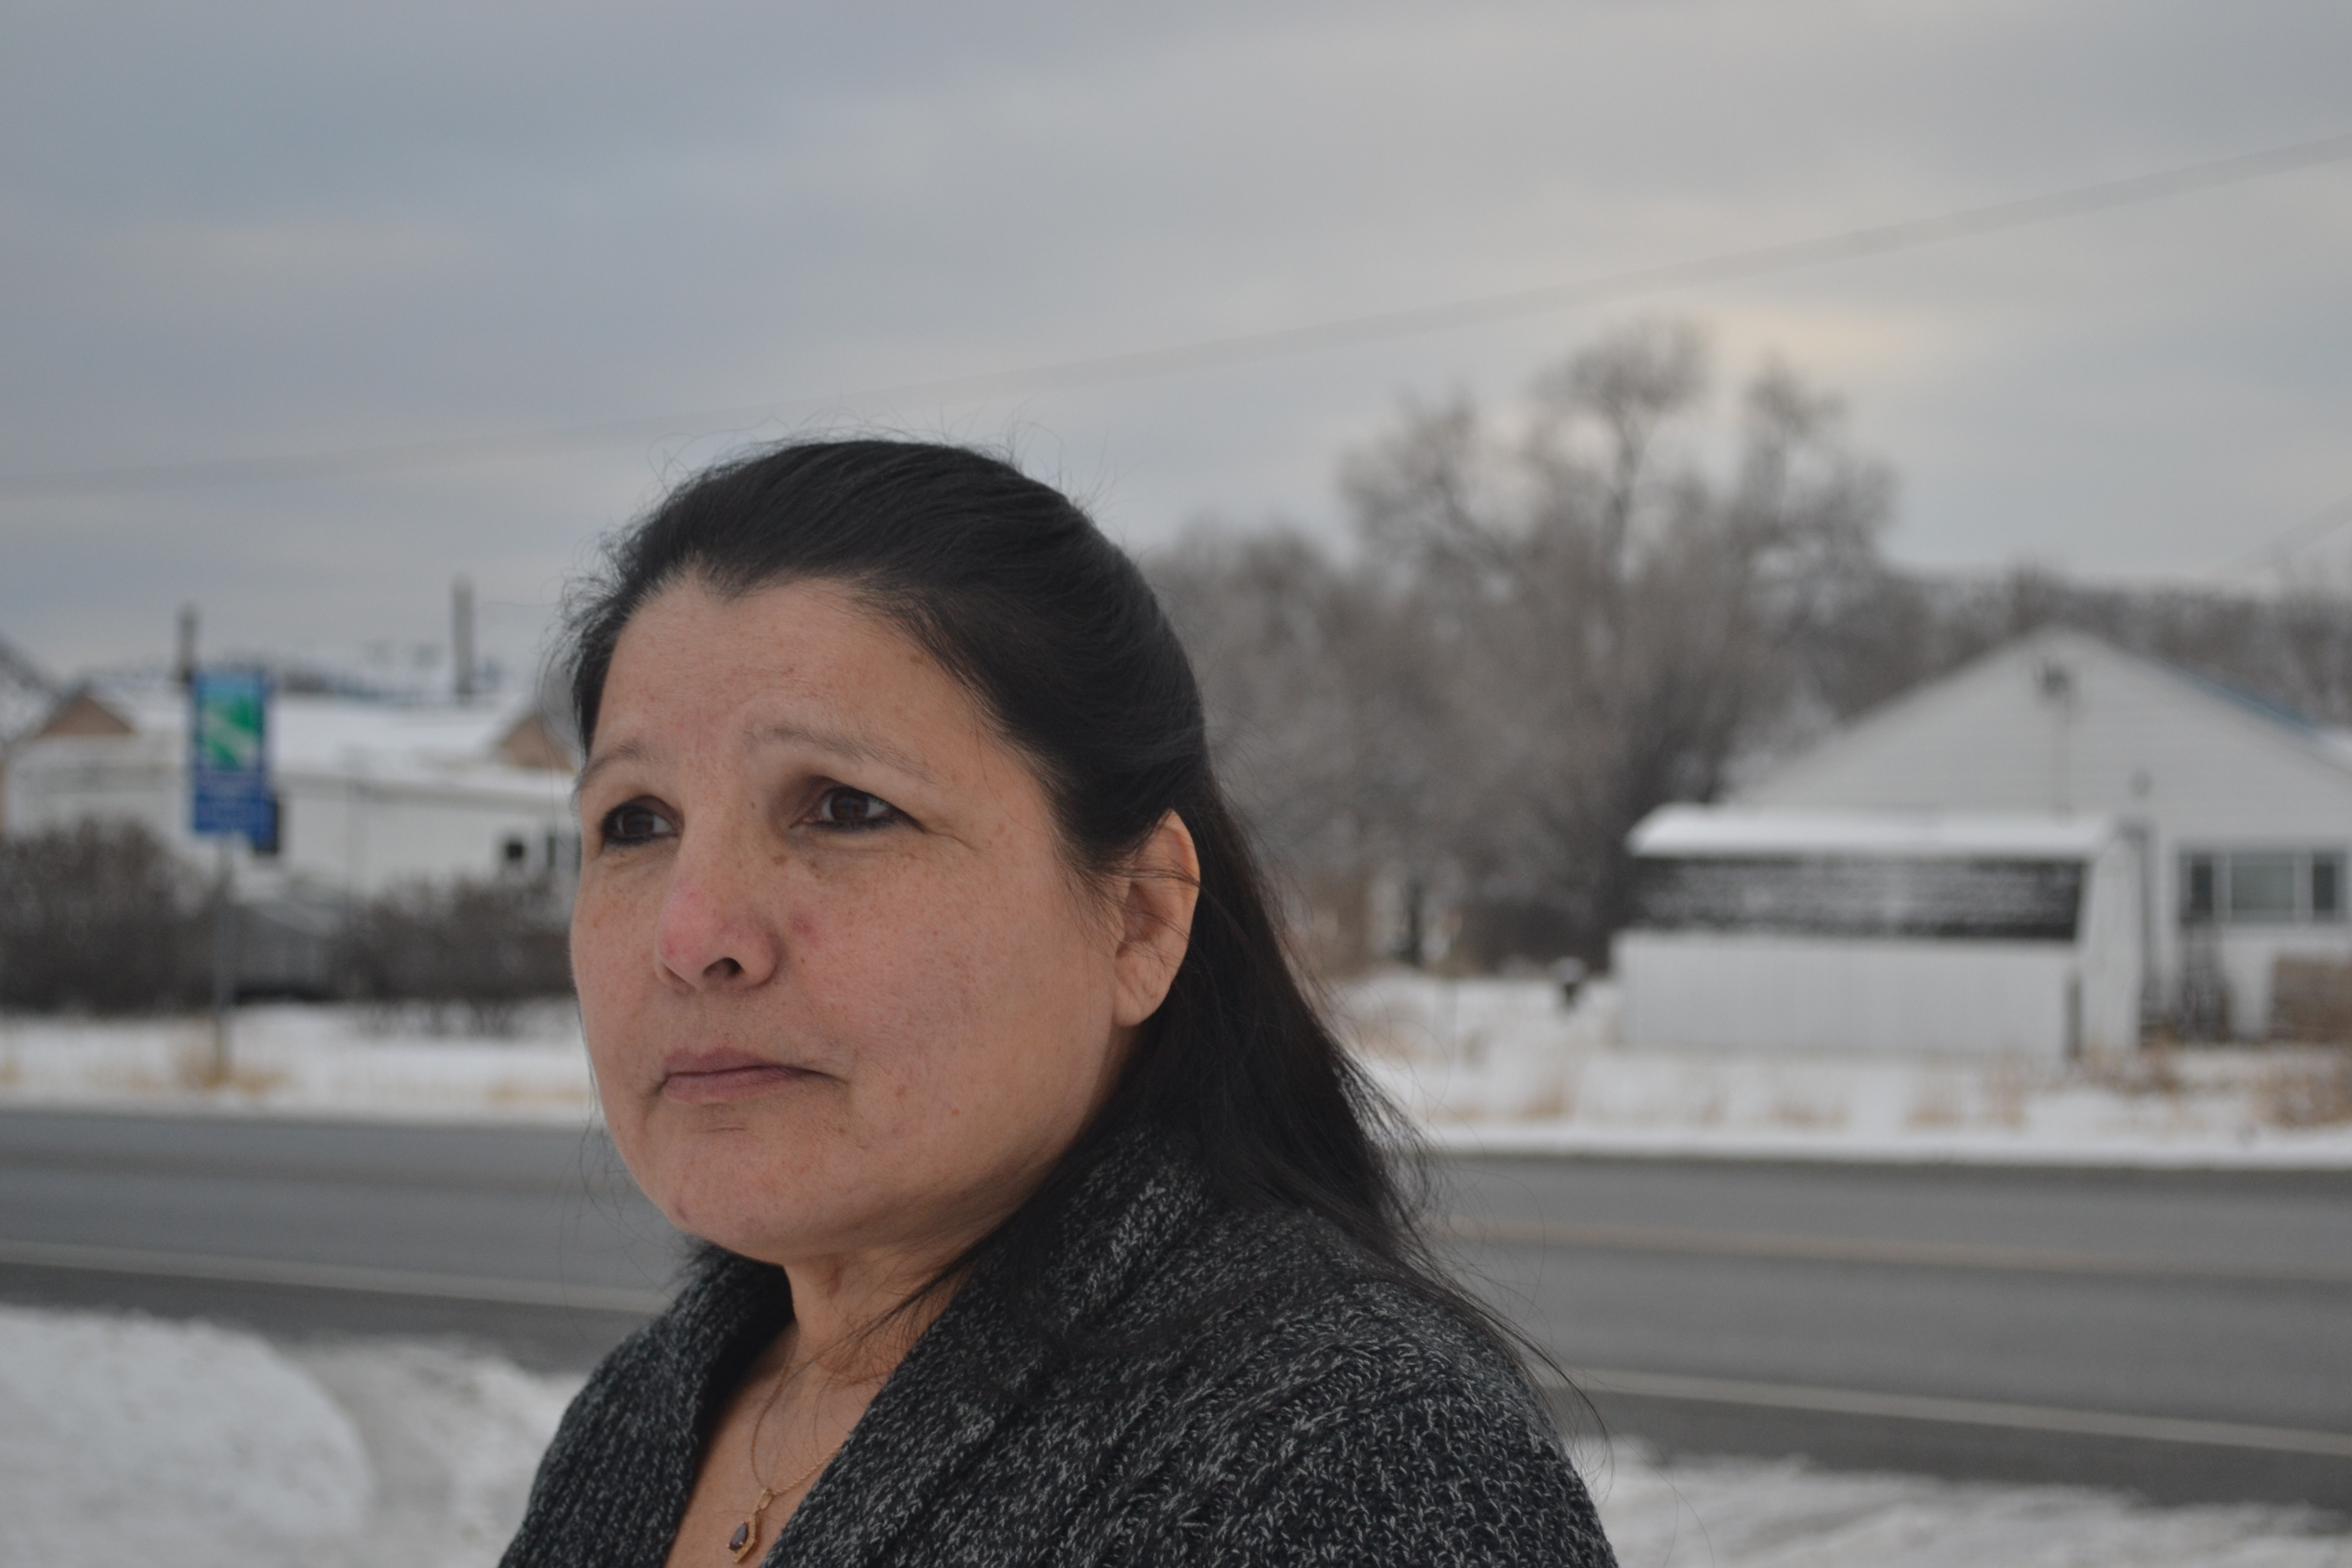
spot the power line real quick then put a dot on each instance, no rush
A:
(2301, 536)
(1208, 353)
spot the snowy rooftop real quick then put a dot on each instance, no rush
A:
(336, 734)
(1692, 831)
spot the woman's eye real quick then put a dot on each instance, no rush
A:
(842, 806)
(635, 823)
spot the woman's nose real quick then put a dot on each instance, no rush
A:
(713, 933)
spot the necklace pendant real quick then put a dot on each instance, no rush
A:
(747, 1534)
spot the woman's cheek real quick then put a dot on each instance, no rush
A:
(602, 915)
(928, 987)
(897, 933)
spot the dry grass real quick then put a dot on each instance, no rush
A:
(2310, 1090)
(2005, 1092)
(1940, 1104)
(1795, 1111)
(2154, 1069)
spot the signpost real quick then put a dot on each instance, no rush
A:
(228, 798)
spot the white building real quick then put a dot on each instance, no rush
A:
(2240, 814)
(370, 794)
(1883, 932)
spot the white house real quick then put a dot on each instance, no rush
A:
(2240, 814)
(371, 795)
(1883, 932)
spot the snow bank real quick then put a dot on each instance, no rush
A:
(124, 1440)
(1749, 1513)
(305, 1060)
(451, 1441)
(1502, 1065)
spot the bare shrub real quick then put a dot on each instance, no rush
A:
(2313, 1090)
(99, 918)
(475, 951)
(2311, 999)
(2153, 1069)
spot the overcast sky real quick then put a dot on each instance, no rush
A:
(231, 232)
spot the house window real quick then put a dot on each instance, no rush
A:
(2327, 887)
(1860, 896)
(2261, 886)
(2261, 889)
(2200, 884)
(513, 852)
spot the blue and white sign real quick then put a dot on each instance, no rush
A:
(228, 756)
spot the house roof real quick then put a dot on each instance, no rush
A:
(2284, 724)
(27, 693)
(1972, 739)
(318, 734)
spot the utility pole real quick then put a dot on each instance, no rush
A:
(224, 960)
(228, 798)
(184, 667)
(2058, 690)
(461, 636)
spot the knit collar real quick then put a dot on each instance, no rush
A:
(933, 1416)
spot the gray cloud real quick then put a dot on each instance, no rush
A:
(240, 231)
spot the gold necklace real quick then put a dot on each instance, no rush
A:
(747, 1534)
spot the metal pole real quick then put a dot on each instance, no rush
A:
(461, 637)
(223, 959)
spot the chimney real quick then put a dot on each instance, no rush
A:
(184, 665)
(461, 636)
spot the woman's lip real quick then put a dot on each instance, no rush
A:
(701, 1078)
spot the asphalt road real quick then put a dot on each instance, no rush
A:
(2185, 1335)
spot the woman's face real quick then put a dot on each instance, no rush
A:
(842, 990)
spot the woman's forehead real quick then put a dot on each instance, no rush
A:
(689, 644)
(805, 663)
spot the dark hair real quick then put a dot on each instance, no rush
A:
(1016, 593)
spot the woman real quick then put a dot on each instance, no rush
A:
(926, 975)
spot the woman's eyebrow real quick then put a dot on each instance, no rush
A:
(841, 743)
(834, 742)
(626, 751)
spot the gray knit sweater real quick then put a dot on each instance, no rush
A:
(1242, 1388)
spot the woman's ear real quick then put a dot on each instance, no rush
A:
(1156, 895)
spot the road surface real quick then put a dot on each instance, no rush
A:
(2188, 1335)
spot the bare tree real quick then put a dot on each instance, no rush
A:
(1563, 619)
(1322, 685)
(1616, 625)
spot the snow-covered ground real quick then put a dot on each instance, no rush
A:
(1503, 1066)
(306, 1061)
(126, 1439)
(1499, 1064)
(1746, 1513)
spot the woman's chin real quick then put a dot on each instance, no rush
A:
(730, 1184)
(710, 1207)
